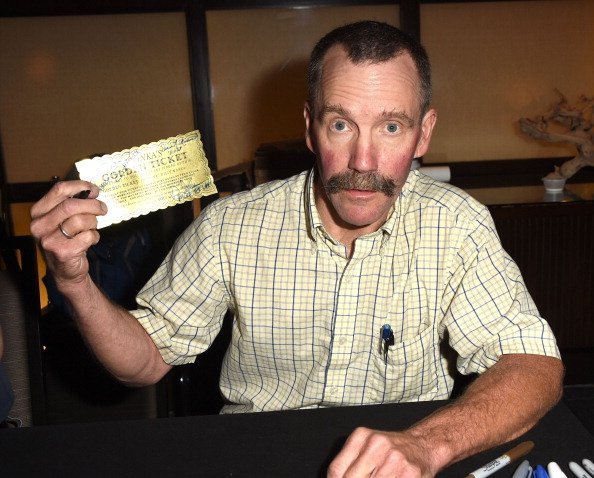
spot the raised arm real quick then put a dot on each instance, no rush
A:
(65, 228)
(498, 406)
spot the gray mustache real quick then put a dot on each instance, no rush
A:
(369, 181)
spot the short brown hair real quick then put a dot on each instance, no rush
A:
(370, 41)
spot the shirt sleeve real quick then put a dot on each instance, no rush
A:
(183, 305)
(489, 311)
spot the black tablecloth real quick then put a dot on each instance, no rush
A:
(277, 444)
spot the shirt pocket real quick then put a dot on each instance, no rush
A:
(409, 372)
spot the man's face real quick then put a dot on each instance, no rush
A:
(365, 131)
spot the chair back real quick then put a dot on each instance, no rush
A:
(19, 320)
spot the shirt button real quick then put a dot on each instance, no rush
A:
(342, 341)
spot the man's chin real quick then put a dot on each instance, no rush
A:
(361, 217)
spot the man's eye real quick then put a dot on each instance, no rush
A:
(392, 128)
(340, 125)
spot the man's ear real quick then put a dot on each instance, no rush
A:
(307, 115)
(427, 126)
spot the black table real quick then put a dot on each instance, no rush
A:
(276, 444)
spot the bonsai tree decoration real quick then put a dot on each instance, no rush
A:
(565, 123)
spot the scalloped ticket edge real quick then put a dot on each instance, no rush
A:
(146, 178)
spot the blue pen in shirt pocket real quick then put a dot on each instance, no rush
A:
(387, 335)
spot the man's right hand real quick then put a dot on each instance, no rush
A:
(65, 228)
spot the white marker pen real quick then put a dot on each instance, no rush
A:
(555, 471)
(512, 455)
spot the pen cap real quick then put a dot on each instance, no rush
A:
(577, 470)
(522, 470)
(555, 471)
(540, 472)
(519, 451)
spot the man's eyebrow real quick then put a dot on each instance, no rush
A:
(327, 109)
(399, 115)
(388, 115)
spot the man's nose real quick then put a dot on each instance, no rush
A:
(363, 154)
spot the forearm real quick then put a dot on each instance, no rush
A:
(117, 339)
(500, 405)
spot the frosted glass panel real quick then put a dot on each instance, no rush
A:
(496, 62)
(75, 85)
(258, 61)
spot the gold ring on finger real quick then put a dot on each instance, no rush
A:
(63, 231)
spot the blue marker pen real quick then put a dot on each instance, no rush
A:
(540, 472)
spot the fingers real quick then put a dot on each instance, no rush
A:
(350, 453)
(60, 250)
(71, 237)
(377, 454)
(61, 191)
(58, 207)
(74, 225)
(65, 227)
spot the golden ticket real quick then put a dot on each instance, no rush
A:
(154, 176)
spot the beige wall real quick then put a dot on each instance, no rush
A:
(76, 85)
(493, 62)
(258, 61)
(71, 86)
(496, 62)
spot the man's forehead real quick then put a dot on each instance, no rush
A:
(390, 88)
(337, 65)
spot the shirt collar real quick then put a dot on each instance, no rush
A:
(315, 222)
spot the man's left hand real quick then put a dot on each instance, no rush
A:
(376, 453)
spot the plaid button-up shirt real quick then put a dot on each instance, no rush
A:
(307, 319)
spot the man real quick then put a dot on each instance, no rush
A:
(312, 268)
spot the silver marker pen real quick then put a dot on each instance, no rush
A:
(577, 470)
(523, 470)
